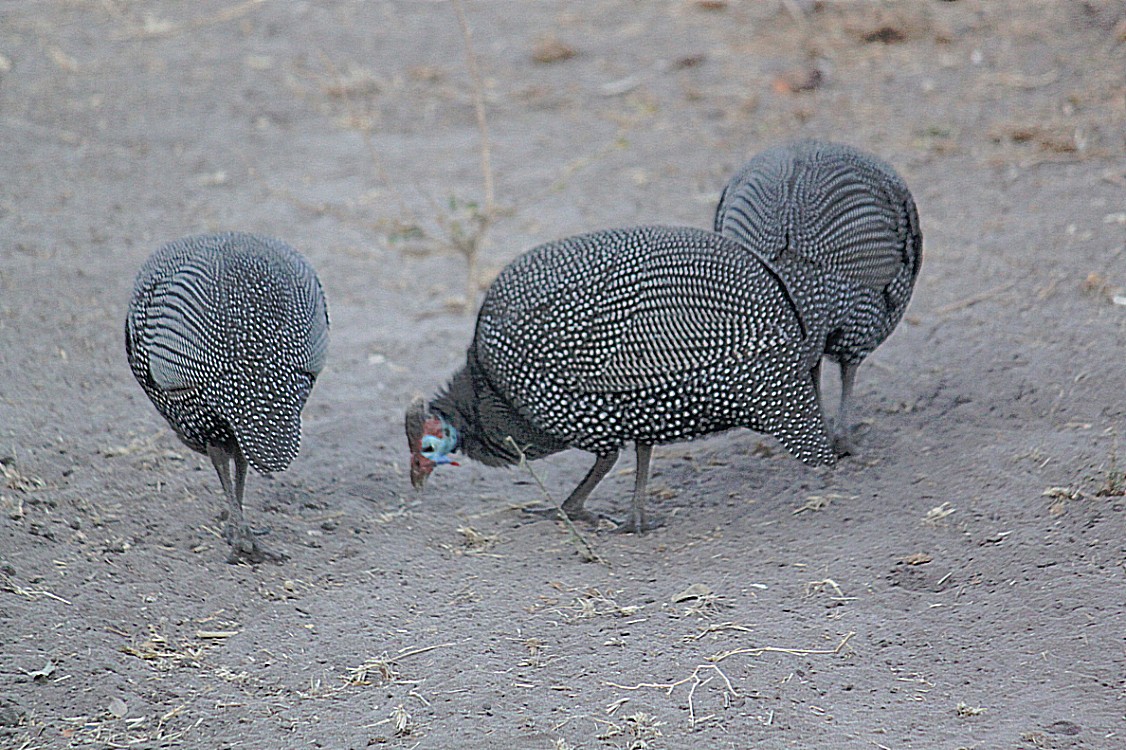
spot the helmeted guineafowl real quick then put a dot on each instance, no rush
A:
(842, 212)
(651, 335)
(227, 333)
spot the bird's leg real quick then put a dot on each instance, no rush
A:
(573, 505)
(237, 532)
(236, 528)
(258, 553)
(241, 466)
(842, 435)
(816, 372)
(240, 477)
(638, 522)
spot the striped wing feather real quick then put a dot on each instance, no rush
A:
(180, 333)
(837, 207)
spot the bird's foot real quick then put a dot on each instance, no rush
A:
(636, 525)
(245, 548)
(843, 446)
(845, 438)
(555, 513)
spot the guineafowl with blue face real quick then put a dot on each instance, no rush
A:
(649, 335)
(227, 333)
(831, 210)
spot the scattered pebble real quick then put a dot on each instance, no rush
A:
(552, 50)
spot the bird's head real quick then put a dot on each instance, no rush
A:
(430, 438)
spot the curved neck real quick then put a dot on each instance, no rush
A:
(481, 420)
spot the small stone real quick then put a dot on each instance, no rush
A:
(552, 50)
(117, 707)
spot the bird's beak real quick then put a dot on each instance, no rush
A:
(421, 466)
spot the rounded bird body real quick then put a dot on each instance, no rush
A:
(648, 335)
(833, 211)
(226, 334)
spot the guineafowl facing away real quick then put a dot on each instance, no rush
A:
(651, 335)
(833, 210)
(227, 333)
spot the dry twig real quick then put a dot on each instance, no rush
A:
(152, 27)
(972, 300)
(8, 584)
(586, 552)
(760, 650)
(470, 244)
(729, 690)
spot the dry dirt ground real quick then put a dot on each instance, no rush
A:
(959, 583)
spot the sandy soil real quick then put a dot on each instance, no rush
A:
(957, 584)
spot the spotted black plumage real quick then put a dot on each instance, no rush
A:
(830, 209)
(226, 334)
(648, 335)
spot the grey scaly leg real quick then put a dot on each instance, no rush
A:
(843, 432)
(817, 381)
(638, 521)
(573, 505)
(237, 531)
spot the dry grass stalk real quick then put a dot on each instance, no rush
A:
(7, 583)
(816, 587)
(163, 655)
(384, 666)
(478, 106)
(14, 479)
(136, 446)
(819, 502)
(469, 244)
(716, 628)
(475, 541)
(594, 602)
(111, 731)
(760, 650)
(340, 88)
(939, 513)
(728, 690)
(151, 27)
(640, 726)
(380, 666)
(401, 721)
(972, 300)
(586, 552)
(703, 601)
(965, 710)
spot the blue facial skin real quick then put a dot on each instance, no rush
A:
(437, 449)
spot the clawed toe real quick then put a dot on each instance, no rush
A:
(845, 438)
(245, 548)
(637, 526)
(543, 511)
(581, 516)
(254, 554)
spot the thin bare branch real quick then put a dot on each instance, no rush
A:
(479, 106)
